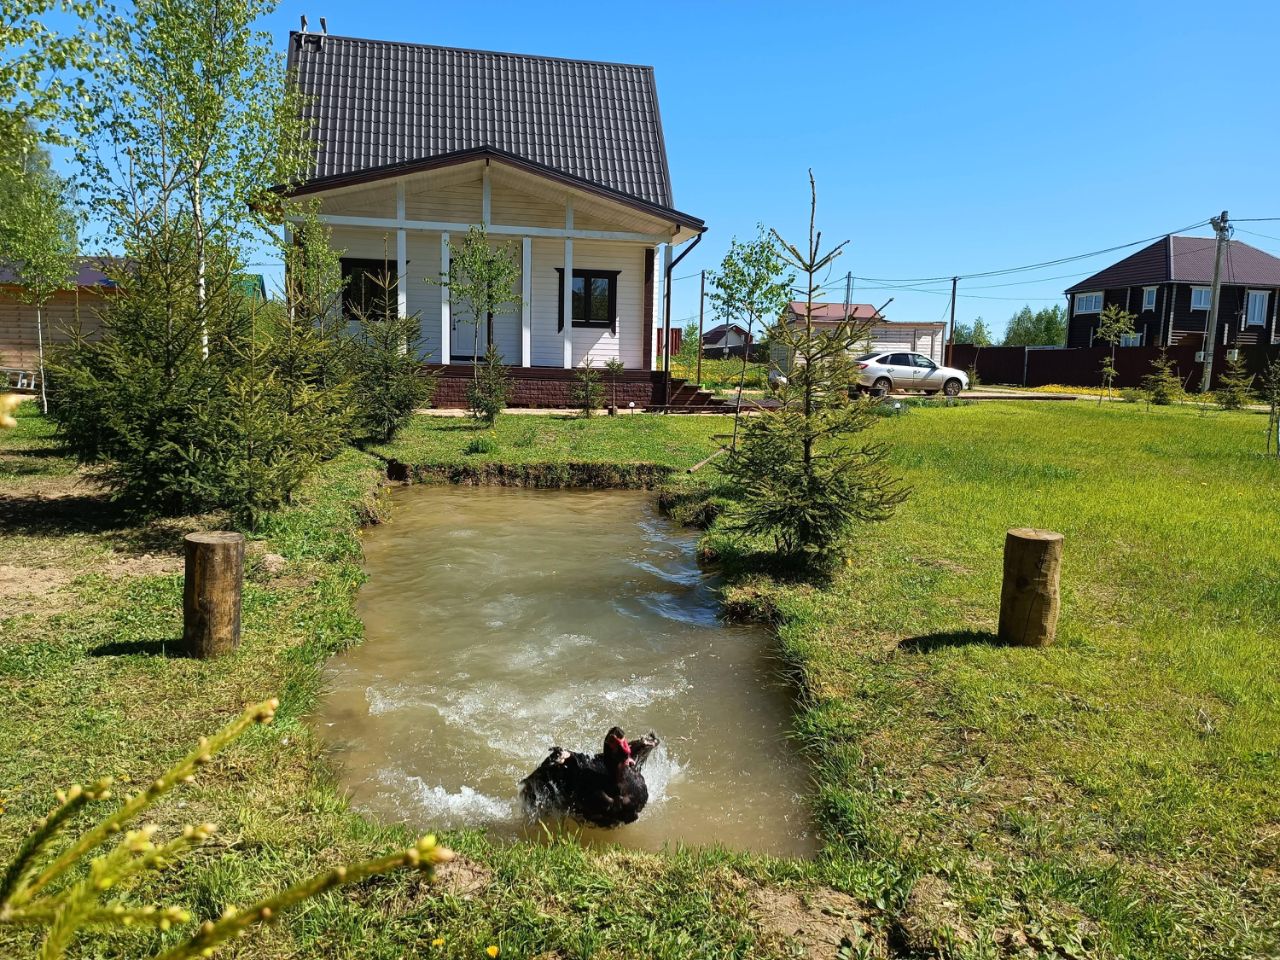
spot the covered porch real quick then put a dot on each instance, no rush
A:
(591, 264)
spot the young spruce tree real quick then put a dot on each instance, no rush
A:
(804, 479)
(1163, 385)
(1235, 386)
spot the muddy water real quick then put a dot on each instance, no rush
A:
(502, 621)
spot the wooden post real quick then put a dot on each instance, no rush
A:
(1029, 597)
(211, 593)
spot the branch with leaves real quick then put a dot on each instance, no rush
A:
(31, 892)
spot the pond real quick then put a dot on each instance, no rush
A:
(502, 621)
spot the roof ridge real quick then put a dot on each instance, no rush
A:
(489, 53)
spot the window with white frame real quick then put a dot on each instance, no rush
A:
(1256, 308)
(1131, 339)
(1089, 302)
(1148, 298)
(1200, 298)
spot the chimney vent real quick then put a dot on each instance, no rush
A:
(304, 23)
(324, 26)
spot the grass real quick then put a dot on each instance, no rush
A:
(1116, 795)
(1118, 792)
(720, 373)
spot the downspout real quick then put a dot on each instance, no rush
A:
(666, 321)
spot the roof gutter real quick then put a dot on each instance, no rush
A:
(666, 320)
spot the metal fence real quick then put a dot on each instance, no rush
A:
(1081, 366)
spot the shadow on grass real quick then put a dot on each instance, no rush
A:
(169, 649)
(67, 514)
(954, 638)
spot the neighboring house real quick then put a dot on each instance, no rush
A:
(1167, 287)
(75, 308)
(561, 160)
(927, 338)
(725, 340)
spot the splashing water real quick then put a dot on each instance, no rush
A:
(501, 622)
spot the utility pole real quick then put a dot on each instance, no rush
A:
(1221, 227)
(702, 303)
(848, 293)
(951, 334)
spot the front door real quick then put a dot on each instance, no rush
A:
(467, 337)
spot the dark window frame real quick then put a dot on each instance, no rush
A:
(362, 269)
(587, 275)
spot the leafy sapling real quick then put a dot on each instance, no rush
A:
(1114, 324)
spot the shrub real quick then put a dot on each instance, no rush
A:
(1162, 385)
(189, 403)
(489, 390)
(97, 899)
(483, 444)
(1132, 395)
(587, 394)
(383, 358)
(138, 403)
(1235, 388)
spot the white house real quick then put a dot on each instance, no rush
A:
(561, 160)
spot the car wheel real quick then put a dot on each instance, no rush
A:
(952, 387)
(884, 385)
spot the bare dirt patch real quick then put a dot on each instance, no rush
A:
(27, 589)
(145, 565)
(463, 877)
(933, 920)
(817, 922)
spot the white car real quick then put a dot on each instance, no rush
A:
(894, 370)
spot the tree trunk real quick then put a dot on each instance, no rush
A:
(44, 394)
(1029, 597)
(211, 593)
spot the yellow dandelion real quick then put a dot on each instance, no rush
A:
(438, 942)
(491, 950)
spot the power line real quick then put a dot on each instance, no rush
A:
(1035, 266)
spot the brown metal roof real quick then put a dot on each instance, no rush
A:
(377, 104)
(835, 312)
(1175, 259)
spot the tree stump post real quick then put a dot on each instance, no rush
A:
(211, 593)
(1029, 599)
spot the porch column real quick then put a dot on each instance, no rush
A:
(566, 318)
(446, 314)
(402, 256)
(526, 302)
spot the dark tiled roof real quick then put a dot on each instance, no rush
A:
(1186, 260)
(717, 333)
(380, 103)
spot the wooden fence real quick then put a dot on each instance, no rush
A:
(1081, 366)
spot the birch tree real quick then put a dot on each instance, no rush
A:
(752, 286)
(192, 124)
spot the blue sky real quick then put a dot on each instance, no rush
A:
(946, 138)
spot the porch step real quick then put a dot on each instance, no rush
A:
(688, 398)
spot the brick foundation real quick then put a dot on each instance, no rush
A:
(550, 387)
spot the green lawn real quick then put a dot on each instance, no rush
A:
(1113, 796)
